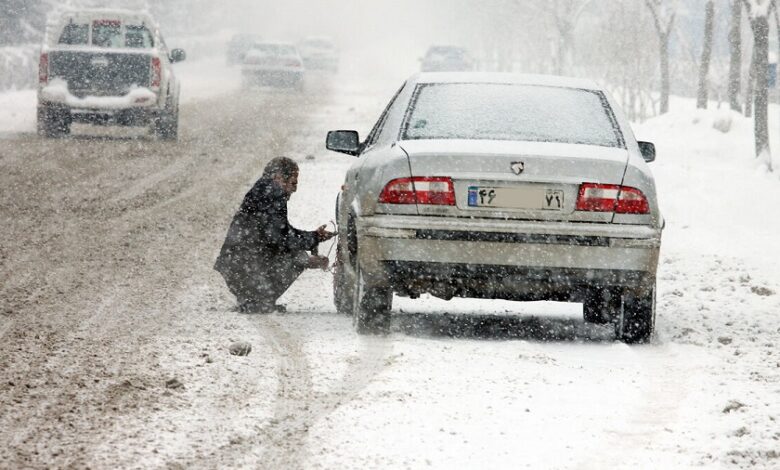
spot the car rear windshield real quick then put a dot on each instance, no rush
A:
(493, 111)
(446, 53)
(107, 33)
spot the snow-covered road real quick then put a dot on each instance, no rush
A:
(108, 295)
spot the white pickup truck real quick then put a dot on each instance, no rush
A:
(109, 67)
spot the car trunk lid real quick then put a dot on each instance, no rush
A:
(515, 180)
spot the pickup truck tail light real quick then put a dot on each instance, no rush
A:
(436, 190)
(156, 72)
(43, 69)
(611, 198)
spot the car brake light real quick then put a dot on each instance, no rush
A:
(291, 63)
(436, 190)
(156, 72)
(43, 69)
(611, 198)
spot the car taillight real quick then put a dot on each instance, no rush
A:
(436, 190)
(291, 63)
(611, 198)
(43, 69)
(156, 72)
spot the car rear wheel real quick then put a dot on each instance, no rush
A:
(371, 306)
(601, 305)
(636, 321)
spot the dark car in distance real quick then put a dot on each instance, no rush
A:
(447, 59)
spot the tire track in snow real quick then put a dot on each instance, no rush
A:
(298, 407)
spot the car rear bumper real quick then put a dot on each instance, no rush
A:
(121, 117)
(558, 252)
(57, 94)
(273, 75)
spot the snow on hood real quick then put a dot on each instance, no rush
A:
(57, 92)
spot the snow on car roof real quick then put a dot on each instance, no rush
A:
(508, 78)
(131, 16)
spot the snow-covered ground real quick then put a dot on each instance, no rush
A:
(494, 384)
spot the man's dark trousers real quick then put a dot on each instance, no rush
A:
(260, 285)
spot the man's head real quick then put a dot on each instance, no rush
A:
(284, 172)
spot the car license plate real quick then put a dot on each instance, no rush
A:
(526, 197)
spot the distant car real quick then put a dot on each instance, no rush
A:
(238, 46)
(319, 53)
(447, 59)
(275, 64)
(499, 186)
(107, 67)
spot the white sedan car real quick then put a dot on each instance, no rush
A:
(274, 64)
(499, 186)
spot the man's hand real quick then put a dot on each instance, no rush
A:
(318, 262)
(323, 234)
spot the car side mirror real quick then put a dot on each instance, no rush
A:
(648, 151)
(343, 141)
(178, 55)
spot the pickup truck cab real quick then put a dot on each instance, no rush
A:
(109, 67)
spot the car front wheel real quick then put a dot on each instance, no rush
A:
(342, 286)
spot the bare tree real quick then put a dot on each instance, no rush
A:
(663, 12)
(735, 55)
(565, 15)
(706, 54)
(758, 12)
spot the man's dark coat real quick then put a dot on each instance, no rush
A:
(260, 241)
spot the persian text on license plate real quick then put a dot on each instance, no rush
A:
(527, 197)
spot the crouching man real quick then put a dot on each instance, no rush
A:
(263, 254)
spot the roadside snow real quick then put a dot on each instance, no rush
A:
(17, 111)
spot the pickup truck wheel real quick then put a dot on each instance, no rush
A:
(636, 321)
(53, 121)
(166, 126)
(601, 305)
(371, 306)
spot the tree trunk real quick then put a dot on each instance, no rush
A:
(735, 54)
(760, 26)
(751, 82)
(664, 72)
(706, 53)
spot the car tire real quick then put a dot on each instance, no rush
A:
(371, 306)
(53, 121)
(342, 286)
(636, 321)
(601, 305)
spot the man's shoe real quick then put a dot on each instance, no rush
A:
(279, 308)
(261, 307)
